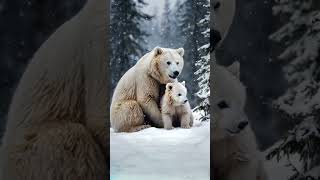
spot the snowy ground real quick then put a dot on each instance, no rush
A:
(158, 154)
(179, 154)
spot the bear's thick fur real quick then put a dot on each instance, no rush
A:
(57, 122)
(235, 153)
(137, 92)
(175, 106)
(234, 150)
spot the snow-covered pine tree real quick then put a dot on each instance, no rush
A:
(166, 26)
(193, 13)
(300, 35)
(153, 29)
(171, 24)
(127, 37)
(203, 65)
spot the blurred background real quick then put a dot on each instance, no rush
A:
(24, 26)
(276, 42)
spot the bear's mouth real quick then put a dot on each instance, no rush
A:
(233, 132)
(172, 77)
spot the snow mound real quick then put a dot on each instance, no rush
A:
(178, 154)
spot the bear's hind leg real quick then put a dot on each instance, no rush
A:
(127, 116)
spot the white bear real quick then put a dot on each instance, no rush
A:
(57, 122)
(222, 19)
(137, 92)
(234, 150)
(235, 154)
(175, 106)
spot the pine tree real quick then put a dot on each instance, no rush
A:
(203, 65)
(177, 36)
(193, 13)
(166, 26)
(300, 35)
(153, 29)
(127, 37)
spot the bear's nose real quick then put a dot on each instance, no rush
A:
(176, 73)
(243, 124)
(185, 101)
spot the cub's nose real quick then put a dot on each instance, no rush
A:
(243, 124)
(176, 73)
(185, 101)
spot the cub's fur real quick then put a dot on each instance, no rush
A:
(175, 106)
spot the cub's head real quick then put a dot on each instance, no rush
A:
(177, 93)
(166, 64)
(229, 102)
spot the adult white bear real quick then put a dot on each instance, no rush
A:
(223, 15)
(137, 92)
(57, 122)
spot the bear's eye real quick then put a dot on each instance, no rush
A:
(179, 94)
(177, 62)
(168, 62)
(223, 105)
(216, 5)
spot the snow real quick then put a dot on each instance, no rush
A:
(279, 170)
(178, 154)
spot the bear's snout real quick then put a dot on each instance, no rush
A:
(176, 73)
(243, 124)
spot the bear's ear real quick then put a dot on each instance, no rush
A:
(183, 83)
(180, 51)
(234, 68)
(157, 51)
(169, 86)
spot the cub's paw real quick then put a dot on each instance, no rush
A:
(168, 127)
(185, 126)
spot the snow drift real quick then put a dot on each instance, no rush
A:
(178, 154)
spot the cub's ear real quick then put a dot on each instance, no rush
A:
(180, 51)
(234, 68)
(183, 83)
(169, 86)
(157, 51)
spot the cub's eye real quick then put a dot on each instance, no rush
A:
(223, 105)
(179, 94)
(177, 62)
(168, 62)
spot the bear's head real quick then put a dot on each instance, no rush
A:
(224, 11)
(176, 93)
(166, 64)
(229, 102)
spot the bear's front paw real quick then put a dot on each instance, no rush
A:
(185, 126)
(168, 127)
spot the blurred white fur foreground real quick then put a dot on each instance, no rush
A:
(157, 154)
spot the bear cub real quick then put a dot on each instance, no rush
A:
(175, 107)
